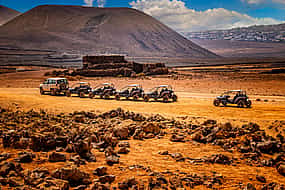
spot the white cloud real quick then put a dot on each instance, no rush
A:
(257, 2)
(279, 1)
(175, 14)
(254, 1)
(101, 3)
(89, 3)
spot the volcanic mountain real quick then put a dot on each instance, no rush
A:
(90, 30)
(7, 14)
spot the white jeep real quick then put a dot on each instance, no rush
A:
(54, 86)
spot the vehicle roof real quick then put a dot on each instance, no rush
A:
(83, 83)
(57, 79)
(235, 90)
(164, 85)
(106, 83)
(134, 85)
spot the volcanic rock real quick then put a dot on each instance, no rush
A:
(112, 159)
(177, 138)
(25, 157)
(100, 171)
(281, 169)
(261, 178)
(73, 175)
(128, 184)
(121, 132)
(124, 144)
(123, 150)
(151, 128)
(107, 178)
(57, 157)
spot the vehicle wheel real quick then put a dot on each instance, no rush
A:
(248, 103)
(42, 91)
(118, 97)
(224, 103)
(81, 95)
(53, 92)
(240, 104)
(68, 93)
(135, 97)
(216, 102)
(146, 98)
(91, 95)
(165, 98)
(174, 98)
(106, 96)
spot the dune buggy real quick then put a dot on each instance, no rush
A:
(81, 89)
(163, 92)
(240, 99)
(134, 91)
(55, 86)
(104, 90)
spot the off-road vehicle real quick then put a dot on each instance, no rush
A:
(163, 92)
(104, 90)
(80, 89)
(134, 91)
(54, 86)
(239, 98)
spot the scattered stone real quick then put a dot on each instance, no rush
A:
(57, 157)
(100, 171)
(249, 186)
(73, 175)
(165, 152)
(281, 169)
(177, 138)
(260, 178)
(25, 157)
(107, 179)
(129, 183)
(123, 150)
(219, 159)
(178, 157)
(124, 144)
(4, 156)
(121, 132)
(112, 160)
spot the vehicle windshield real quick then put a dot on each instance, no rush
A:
(130, 87)
(105, 85)
(62, 81)
(236, 93)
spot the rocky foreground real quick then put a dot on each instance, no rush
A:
(41, 138)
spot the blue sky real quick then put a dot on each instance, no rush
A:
(231, 11)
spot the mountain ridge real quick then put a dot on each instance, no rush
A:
(91, 30)
(7, 14)
(259, 33)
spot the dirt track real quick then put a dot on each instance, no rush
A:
(189, 104)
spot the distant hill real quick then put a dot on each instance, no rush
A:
(90, 30)
(264, 33)
(230, 48)
(7, 14)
